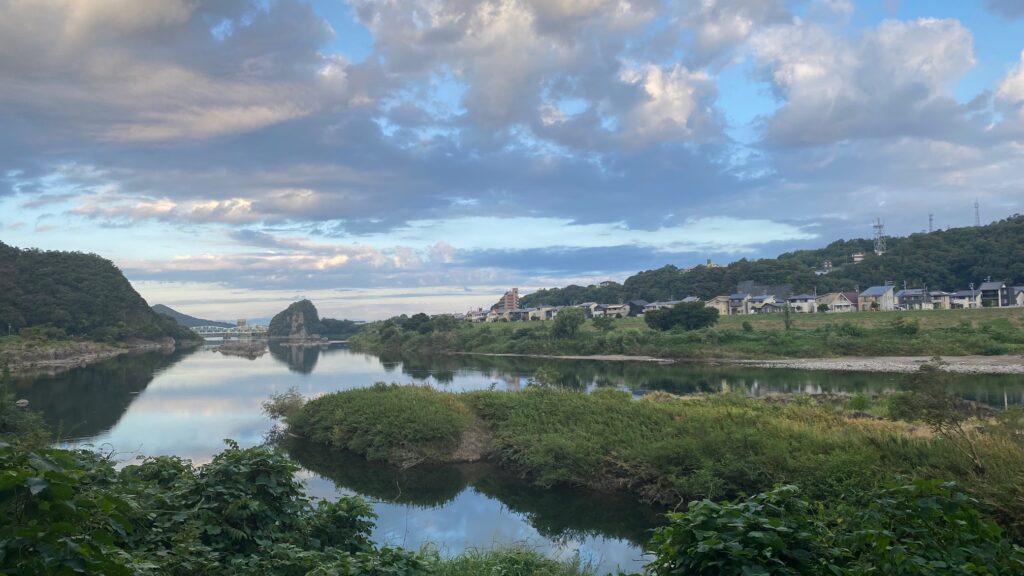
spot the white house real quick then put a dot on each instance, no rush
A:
(881, 298)
(836, 302)
(805, 303)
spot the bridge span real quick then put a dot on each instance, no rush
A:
(248, 331)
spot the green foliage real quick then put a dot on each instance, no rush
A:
(403, 424)
(906, 326)
(49, 295)
(18, 426)
(688, 316)
(568, 322)
(512, 562)
(284, 406)
(924, 528)
(928, 396)
(603, 323)
(747, 327)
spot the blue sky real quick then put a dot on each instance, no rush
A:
(388, 157)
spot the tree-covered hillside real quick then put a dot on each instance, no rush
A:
(75, 294)
(942, 260)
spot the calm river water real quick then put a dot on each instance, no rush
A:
(187, 403)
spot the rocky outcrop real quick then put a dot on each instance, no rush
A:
(299, 321)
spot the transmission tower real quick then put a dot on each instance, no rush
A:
(931, 220)
(879, 237)
(977, 214)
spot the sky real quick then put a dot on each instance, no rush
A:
(394, 156)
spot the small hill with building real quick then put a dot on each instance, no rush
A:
(188, 321)
(942, 260)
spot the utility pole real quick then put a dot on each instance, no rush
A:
(879, 237)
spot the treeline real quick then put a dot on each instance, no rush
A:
(54, 294)
(942, 260)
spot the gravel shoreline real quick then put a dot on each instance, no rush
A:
(884, 364)
(55, 360)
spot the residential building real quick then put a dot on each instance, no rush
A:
(652, 306)
(882, 298)
(758, 302)
(994, 294)
(510, 301)
(636, 307)
(854, 298)
(858, 257)
(941, 300)
(836, 302)
(589, 309)
(720, 303)
(770, 308)
(1018, 296)
(616, 310)
(913, 299)
(739, 303)
(803, 303)
(965, 299)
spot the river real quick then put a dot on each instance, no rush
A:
(186, 404)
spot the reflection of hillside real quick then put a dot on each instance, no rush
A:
(299, 358)
(555, 513)
(85, 402)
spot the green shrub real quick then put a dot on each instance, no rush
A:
(924, 528)
(403, 424)
(686, 316)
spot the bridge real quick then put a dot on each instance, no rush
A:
(234, 331)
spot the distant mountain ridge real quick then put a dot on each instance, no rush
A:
(941, 260)
(75, 294)
(187, 321)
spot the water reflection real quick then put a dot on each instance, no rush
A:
(442, 501)
(186, 404)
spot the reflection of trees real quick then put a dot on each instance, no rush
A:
(559, 514)
(424, 486)
(692, 377)
(300, 359)
(85, 402)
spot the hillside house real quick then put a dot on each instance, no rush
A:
(758, 302)
(994, 294)
(882, 298)
(636, 307)
(739, 303)
(589, 308)
(836, 302)
(720, 303)
(616, 310)
(913, 299)
(803, 303)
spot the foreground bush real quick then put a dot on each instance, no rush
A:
(925, 528)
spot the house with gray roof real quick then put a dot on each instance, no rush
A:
(914, 299)
(994, 294)
(881, 298)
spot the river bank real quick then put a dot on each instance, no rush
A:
(881, 364)
(54, 357)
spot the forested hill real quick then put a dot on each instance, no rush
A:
(943, 260)
(186, 320)
(75, 294)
